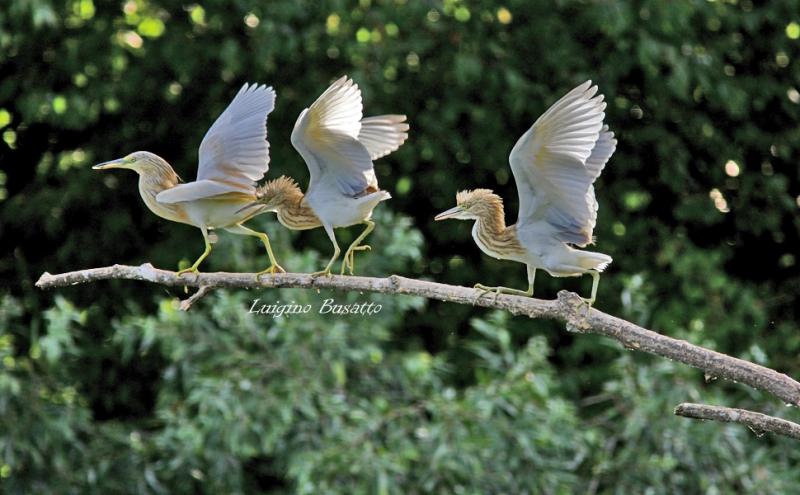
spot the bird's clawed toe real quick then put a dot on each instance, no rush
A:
(272, 270)
(324, 273)
(501, 290)
(485, 289)
(191, 269)
(349, 262)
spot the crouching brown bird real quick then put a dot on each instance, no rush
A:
(234, 155)
(338, 146)
(554, 164)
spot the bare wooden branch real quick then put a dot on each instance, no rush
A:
(569, 308)
(186, 304)
(759, 423)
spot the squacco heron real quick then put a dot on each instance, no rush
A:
(338, 146)
(234, 155)
(554, 164)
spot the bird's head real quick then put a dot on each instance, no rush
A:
(474, 204)
(141, 162)
(276, 194)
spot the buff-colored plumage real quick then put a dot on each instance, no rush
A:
(233, 155)
(284, 197)
(554, 164)
(338, 147)
(491, 232)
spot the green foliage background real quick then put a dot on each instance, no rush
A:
(107, 388)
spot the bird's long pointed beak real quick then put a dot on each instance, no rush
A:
(118, 163)
(452, 212)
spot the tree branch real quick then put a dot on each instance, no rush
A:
(187, 303)
(758, 422)
(569, 308)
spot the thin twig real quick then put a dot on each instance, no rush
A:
(759, 423)
(201, 292)
(569, 308)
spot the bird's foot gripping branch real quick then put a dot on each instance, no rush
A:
(568, 308)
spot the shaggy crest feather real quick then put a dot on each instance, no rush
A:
(283, 188)
(485, 203)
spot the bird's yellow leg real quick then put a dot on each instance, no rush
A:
(193, 268)
(274, 267)
(349, 255)
(336, 251)
(507, 290)
(595, 282)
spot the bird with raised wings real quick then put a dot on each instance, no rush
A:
(555, 164)
(338, 146)
(234, 155)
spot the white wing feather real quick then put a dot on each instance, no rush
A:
(191, 191)
(383, 134)
(554, 165)
(235, 150)
(327, 137)
(603, 149)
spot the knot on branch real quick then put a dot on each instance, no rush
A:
(575, 311)
(394, 282)
(146, 270)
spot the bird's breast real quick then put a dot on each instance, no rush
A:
(173, 212)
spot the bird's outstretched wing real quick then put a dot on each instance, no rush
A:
(556, 161)
(326, 136)
(234, 153)
(383, 134)
(603, 149)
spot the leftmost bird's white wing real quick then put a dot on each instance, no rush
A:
(234, 153)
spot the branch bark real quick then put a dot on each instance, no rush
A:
(759, 423)
(569, 308)
(187, 303)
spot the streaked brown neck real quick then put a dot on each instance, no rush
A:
(491, 215)
(155, 176)
(158, 176)
(298, 216)
(492, 234)
(293, 212)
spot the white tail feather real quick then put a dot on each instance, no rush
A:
(595, 261)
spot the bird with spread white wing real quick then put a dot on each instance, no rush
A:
(234, 155)
(338, 146)
(555, 164)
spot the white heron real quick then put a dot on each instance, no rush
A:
(554, 164)
(338, 146)
(234, 155)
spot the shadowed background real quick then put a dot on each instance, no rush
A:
(108, 388)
